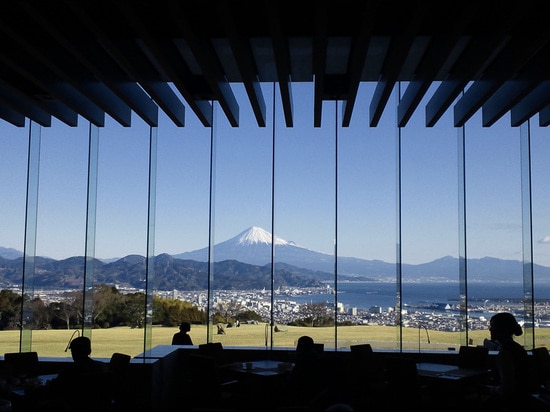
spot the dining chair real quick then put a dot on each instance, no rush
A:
(473, 357)
(20, 365)
(320, 347)
(119, 365)
(365, 365)
(215, 350)
(204, 374)
(403, 380)
(541, 366)
(366, 376)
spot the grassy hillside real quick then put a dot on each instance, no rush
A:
(52, 343)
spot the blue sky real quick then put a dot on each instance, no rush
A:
(304, 184)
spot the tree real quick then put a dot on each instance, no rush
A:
(10, 309)
(134, 309)
(40, 314)
(315, 313)
(107, 302)
(171, 312)
(65, 310)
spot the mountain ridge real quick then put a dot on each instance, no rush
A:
(247, 256)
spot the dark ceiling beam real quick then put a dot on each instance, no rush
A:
(397, 54)
(19, 102)
(105, 70)
(514, 90)
(245, 62)
(505, 98)
(63, 100)
(544, 116)
(434, 57)
(164, 57)
(509, 61)
(137, 69)
(358, 54)
(11, 116)
(442, 51)
(48, 74)
(469, 65)
(67, 65)
(319, 59)
(206, 58)
(535, 101)
(281, 57)
(49, 99)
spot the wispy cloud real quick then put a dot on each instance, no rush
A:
(545, 239)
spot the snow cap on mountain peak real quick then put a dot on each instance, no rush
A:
(256, 234)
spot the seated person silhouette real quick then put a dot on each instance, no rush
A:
(511, 386)
(84, 376)
(306, 381)
(182, 337)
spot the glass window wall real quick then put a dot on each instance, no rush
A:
(364, 219)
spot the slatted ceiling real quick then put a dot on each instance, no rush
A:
(70, 66)
(165, 57)
(281, 57)
(515, 90)
(209, 64)
(470, 62)
(125, 52)
(398, 52)
(66, 59)
(537, 100)
(514, 56)
(244, 62)
(544, 116)
(358, 55)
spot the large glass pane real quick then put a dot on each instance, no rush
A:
(241, 258)
(429, 208)
(540, 183)
(305, 214)
(183, 173)
(493, 223)
(367, 227)
(13, 184)
(61, 234)
(121, 236)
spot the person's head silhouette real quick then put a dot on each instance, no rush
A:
(305, 344)
(504, 326)
(81, 348)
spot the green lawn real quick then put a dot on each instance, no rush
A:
(52, 343)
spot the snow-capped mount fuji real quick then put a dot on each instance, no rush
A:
(253, 246)
(255, 234)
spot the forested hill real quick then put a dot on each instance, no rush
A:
(170, 273)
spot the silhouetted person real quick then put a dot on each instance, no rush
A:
(512, 379)
(182, 337)
(83, 385)
(306, 383)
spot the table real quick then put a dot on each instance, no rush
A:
(453, 385)
(263, 367)
(260, 377)
(449, 372)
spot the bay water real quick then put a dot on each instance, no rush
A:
(363, 295)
